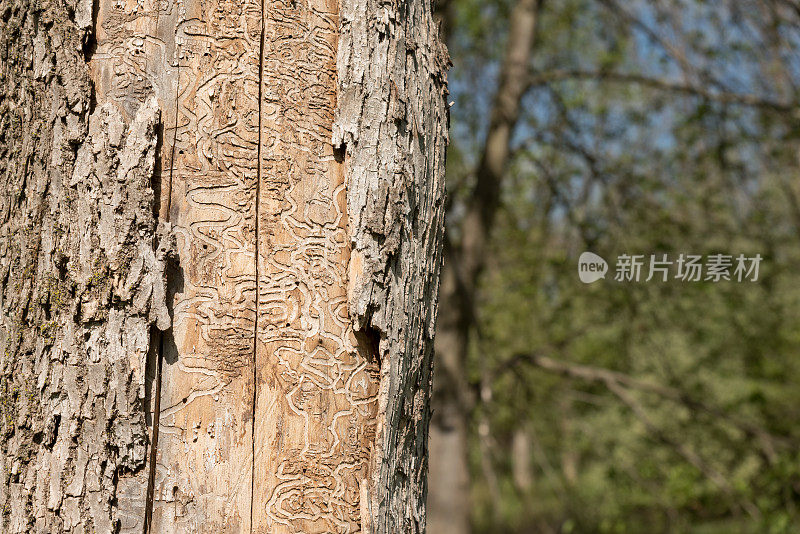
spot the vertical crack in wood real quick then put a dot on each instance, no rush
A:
(255, 257)
(172, 149)
(151, 476)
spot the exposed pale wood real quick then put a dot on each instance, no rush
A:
(203, 61)
(204, 451)
(316, 387)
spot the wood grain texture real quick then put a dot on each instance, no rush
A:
(204, 452)
(317, 387)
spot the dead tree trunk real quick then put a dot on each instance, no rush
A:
(221, 233)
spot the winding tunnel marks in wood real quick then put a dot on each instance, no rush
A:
(267, 400)
(317, 387)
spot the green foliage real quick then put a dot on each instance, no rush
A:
(632, 168)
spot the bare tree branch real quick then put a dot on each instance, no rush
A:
(678, 55)
(554, 76)
(688, 454)
(614, 378)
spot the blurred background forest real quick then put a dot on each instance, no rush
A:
(620, 127)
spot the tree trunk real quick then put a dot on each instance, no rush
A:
(449, 502)
(222, 225)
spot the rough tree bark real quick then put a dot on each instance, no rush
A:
(449, 505)
(221, 233)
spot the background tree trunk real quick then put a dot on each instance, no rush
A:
(464, 263)
(289, 156)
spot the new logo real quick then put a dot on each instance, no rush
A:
(591, 267)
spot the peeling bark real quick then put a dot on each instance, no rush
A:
(392, 119)
(83, 281)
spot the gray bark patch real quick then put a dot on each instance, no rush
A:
(392, 120)
(82, 266)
